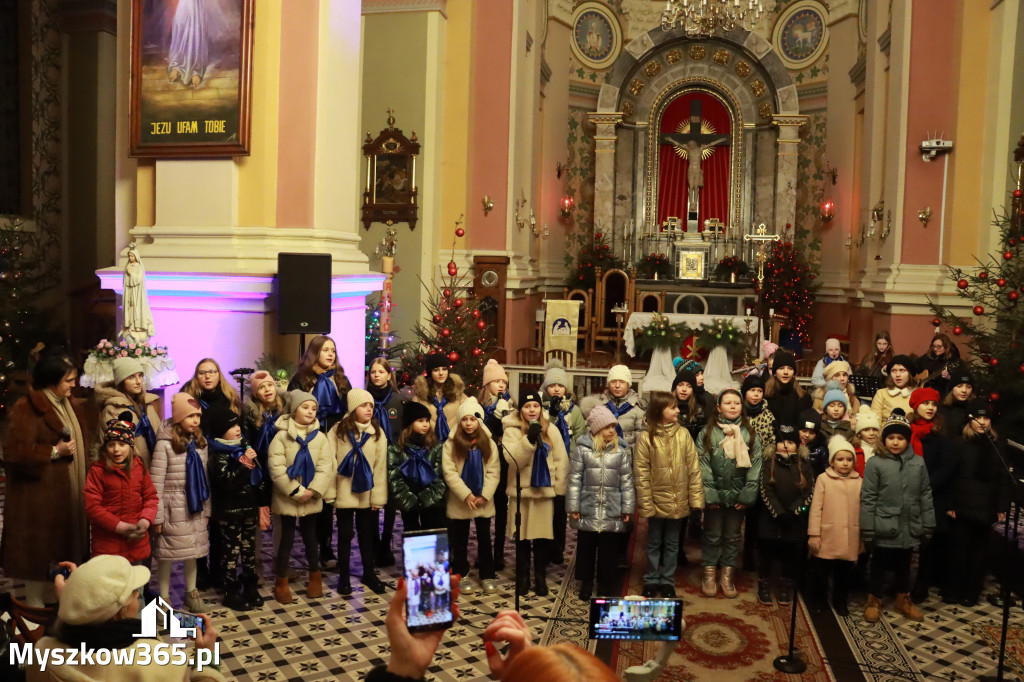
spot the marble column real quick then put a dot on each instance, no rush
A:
(604, 167)
(786, 167)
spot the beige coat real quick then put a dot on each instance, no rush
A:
(451, 411)
(537, 504)
(376, 451)
(111, 403)
(667, 476)
(888, 398)
(458, 491)
(835, 515)
(281, 455)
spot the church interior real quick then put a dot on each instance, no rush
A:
(575, 190)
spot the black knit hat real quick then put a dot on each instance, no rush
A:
(120, 430)
(979, 408)
(687, 375)
(783, 358)
(809, 419)
(961, 376)
(530, 397)
(411, 411)
(896, 423)
(219, 419)
(903, 361)
(787, 432)
(753, 380)
(435, 360)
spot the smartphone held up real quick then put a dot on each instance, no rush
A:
(428, 580)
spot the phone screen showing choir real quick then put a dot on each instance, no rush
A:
(428, 577)
(650, 619)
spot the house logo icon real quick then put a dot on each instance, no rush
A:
(159, 613)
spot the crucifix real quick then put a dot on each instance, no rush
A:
(762, 237)
(695, 145)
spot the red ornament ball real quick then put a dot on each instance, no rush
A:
(481, 341)
(453, 357)
(994, 362)
(453, 269)
(983, 275)
(405, 376)
(1012, 241)
(458, 302)
(1007, 255)
(1021, 368)
(957, 331)
(460, 232)
(476, 314)
(1013, 295)
(598, 235)
(437, 318)
(447, 293)
(481, 325)
(993, 397)
(979, 310)
(458, 318)
(962, 284)
(936, 322)
(477, 352)
(446, 332)
(1000, 282)
(1017, 193)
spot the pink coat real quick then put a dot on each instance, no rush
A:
(835, 515)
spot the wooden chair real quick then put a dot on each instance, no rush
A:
(567, 357)
(27, 624)
(614, 288)
(586, 312)
(499, 355)
(650, 302)
(530, 356)
(805, 368)
(599, 359)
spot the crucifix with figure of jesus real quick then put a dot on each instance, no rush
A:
(693, 145)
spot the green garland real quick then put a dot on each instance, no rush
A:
(721, 333)
(660, 333)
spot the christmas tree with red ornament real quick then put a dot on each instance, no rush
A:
(788, 287)
(995, 331)
(455, 327)
(585, 253)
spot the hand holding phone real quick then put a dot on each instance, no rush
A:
(191, 620)
(426, 564)
(411, 653)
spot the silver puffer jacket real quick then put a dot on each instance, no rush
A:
(600, 486)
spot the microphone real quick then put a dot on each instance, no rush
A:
(65, 434)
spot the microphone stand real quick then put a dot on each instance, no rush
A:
(1004, 578)
(790, 662)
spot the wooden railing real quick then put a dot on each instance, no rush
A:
(585, 381)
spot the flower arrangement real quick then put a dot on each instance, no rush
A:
(729, 266)
(660, 333)
(654, 265)
(721, 333)
(109, 350)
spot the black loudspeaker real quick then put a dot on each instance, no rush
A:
(303, 293)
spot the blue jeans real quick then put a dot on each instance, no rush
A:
(721, 537)
(662, 550)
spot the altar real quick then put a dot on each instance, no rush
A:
(718, 369)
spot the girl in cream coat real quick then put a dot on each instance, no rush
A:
(537, 454)
(301, 469)
(360, 487)
(471, 470)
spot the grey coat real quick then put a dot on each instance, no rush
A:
(896, 501)
(184, 535)
(600, 486)
(631, 423)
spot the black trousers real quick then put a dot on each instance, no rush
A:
(424, 519)
(600, 550)
(238, 541)
(967, 558)
(365, 530)
(559, 520)
(388, 528)
(325, 530)
(884, 560)
(839, 570)
(931, 567)
(540, 559)
(458, 542)
(307, 527)
(501, 511)
(776, 553)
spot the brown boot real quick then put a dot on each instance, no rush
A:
(315, 588)
(728, 587)
(907, 608)
(873, 609)
(281, 592)
(709, 582)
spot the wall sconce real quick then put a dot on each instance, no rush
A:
(888, 226)
(925, 215)
(516, 208)
(487, 203)
(827, 210)
(566, 206)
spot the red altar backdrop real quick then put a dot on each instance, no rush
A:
(672, 190)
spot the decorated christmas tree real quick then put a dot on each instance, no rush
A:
(455, 327)
(788, 288)
(588, 251)
(995, 331)
(20, 280)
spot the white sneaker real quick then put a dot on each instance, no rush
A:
(490, 586)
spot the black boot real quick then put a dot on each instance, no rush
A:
(523, 567)
(233, 598)
(764, 591)
(499, 555)
(540, 567)
(251, 592)
(344, 584)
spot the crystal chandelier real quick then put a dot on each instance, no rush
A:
(702, 17)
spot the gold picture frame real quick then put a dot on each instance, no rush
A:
(691, 265)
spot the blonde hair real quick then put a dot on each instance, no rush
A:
(194, 389)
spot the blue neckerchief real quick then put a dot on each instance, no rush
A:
(302, 468)
(540, 475)
(266, 435)
(236, 452)
(356, 466)
(203, 404)
(441, 429)
(416, 468)
(563, 426)
(618, 412)
(829, 360)
(145, 429)
(380, 411)
(489, 409)
(197, 489)
(473, 471)
(327, 398)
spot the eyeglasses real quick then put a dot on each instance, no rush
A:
(207, 373)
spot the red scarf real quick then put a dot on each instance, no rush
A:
(919, 428)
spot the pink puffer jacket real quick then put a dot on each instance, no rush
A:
(184, 535)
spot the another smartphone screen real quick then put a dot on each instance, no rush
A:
(647, 619)
(190, 620)
(428, 578)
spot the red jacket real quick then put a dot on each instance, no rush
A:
(113, 496)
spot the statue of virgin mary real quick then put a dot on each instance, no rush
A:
(138, 320)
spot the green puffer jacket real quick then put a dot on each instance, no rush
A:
(896, 501)
(724, 483)
(405, 498)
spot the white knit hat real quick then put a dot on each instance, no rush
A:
(357, 397)
(470, 407)
(126, 367)
(555, 374)
(620, 373)
(97, 589)
(867, 419)
(839, 444)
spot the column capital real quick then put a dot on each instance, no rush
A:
(605, 117)
(783, 121)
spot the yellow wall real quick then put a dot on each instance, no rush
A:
(455, 154)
